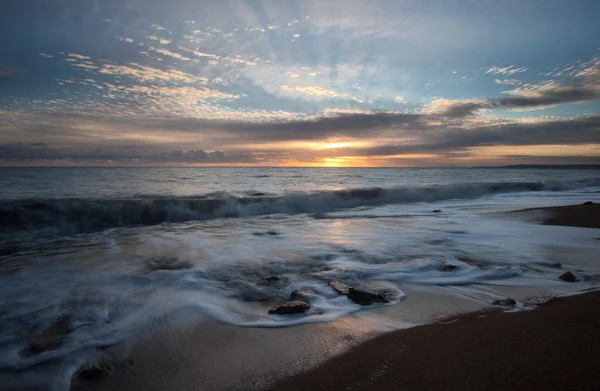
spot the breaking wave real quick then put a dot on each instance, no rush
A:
(83, 215)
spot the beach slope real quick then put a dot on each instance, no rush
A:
(556, 347)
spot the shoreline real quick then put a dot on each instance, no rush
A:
(584, 215)
(501, 349)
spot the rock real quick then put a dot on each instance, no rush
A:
(305, 295)
(94, 371)
(291, 307)
(447, 267)
(504, 302)
(365, 298)
(340, 288)
(269, 233)
(568, 277)
(588, 203)
(170, 264)
(437, 210)
(272, 278)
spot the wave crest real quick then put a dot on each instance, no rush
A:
(84, 215)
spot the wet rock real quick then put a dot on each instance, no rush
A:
(268, 233)
(588, 203)
(272, 278)
(291, 307)
(555, 265)
(505, 302)
(305, 295)
(51, 338)
(568, 277)
(448, 267)
(436, 210)
(168, 264)
(365, 298)
(339, 287)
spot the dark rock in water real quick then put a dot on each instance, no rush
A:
(588, 203)
(269, 233)
(447, 267)
(52, 337)
(365, 298)
(340, 288)
(305, 295)
(504, 302)
(437, 210)
(272, 278)
(168, 264)
(568, 277)
(291, 307)
(319, 216)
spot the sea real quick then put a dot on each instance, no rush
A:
(98, 254)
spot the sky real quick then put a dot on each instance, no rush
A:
(399, 83)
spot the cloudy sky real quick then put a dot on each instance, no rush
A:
(299, 82)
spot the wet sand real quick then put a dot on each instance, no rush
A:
(572, 216)
(556, 347)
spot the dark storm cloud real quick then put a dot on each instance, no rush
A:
(580, 131)
(352, 125)
(542, 98)
(33, 151)
(19, 152)
(427, 133)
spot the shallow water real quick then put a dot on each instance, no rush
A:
(114, 250)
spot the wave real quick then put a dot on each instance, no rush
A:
(72, 215)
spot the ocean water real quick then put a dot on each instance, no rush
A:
(104, 252)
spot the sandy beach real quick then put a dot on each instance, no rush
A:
(553, 347)
(586, 215)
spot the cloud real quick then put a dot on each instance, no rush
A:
(509, 70)
(20, 152)
(144, 73)
(162, 41)
(312, 90)
(584, 87)
(507, 81)
(393, 134)
(33, 151)
(78, 56)
(169, 53)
